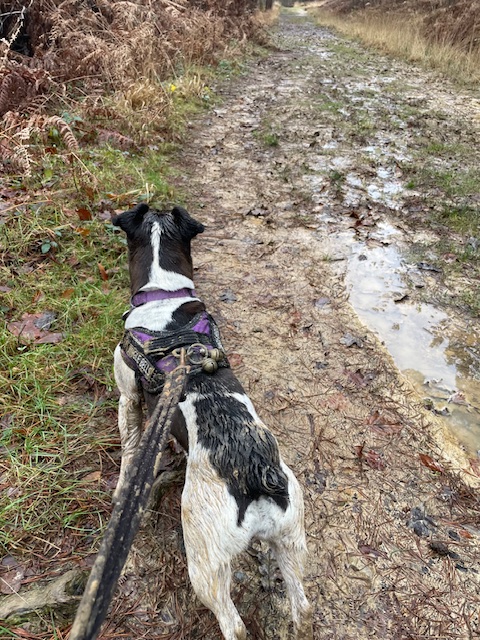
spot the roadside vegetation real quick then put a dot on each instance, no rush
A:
(441, 34)
(94, 97)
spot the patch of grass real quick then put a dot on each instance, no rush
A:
(58, 399)
(322, 103)
(446, 149)
(471, 299)
(462, 218)
(271, 139)
(337, 178)
(456, 182)
(267, 135)
(453, 181)
(350, 53)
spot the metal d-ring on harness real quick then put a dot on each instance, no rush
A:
(130, 506)
(200, 356)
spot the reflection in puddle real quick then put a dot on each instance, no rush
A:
(425, 345)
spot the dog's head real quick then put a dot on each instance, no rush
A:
(158, 238)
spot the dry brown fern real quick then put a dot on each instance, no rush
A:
(64, 130)
(18, 133)
(103, 48)
(115, 139)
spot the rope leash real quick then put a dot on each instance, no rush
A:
(129, 509)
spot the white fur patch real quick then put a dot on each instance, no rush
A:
(159, 278)
(155, 315)
(213, 537)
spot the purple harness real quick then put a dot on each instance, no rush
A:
(150, 353)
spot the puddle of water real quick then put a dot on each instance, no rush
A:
(433, 353)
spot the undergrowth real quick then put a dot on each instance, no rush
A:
(445, 38)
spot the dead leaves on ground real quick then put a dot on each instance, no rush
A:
(430, 463)
(373, 458)
(383, 426)
(35, 328)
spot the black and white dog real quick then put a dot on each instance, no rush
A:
(237, 487)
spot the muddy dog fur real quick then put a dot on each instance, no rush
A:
(237, 487)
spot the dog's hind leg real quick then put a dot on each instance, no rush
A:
(129, 415)
(290, 548)
(206, 519)
(290, 557)
(211, 582)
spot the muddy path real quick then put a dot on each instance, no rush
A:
(288, 172)
(392, 516)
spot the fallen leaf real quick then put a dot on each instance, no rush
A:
(11, 581)
(235, 360)
(5, 289)
(359, 450)
(67, 293)
(33, 327)
(103, 273)
(475, 464)
(366, 550)
(430, 463)
(89, 192)
(374, 460)
(73, 261)
(82, 231)
(359, 378)
(295, 319)
(84, 214)
(381, 425)
(92, 477)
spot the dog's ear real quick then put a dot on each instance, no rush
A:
(188, 226)
(129, 220)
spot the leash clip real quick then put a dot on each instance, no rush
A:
(198, 355)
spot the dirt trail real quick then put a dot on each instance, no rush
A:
(393, 526)
(391, 506)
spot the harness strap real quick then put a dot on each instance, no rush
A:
(150, 353)
(164, 344)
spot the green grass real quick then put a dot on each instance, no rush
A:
(322, 103)
(267, 135)
(271, 139)
(462, 218)
(58, 401)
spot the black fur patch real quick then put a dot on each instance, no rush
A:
(243, 453)
(178, 229)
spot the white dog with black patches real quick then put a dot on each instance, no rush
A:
(237, 487)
